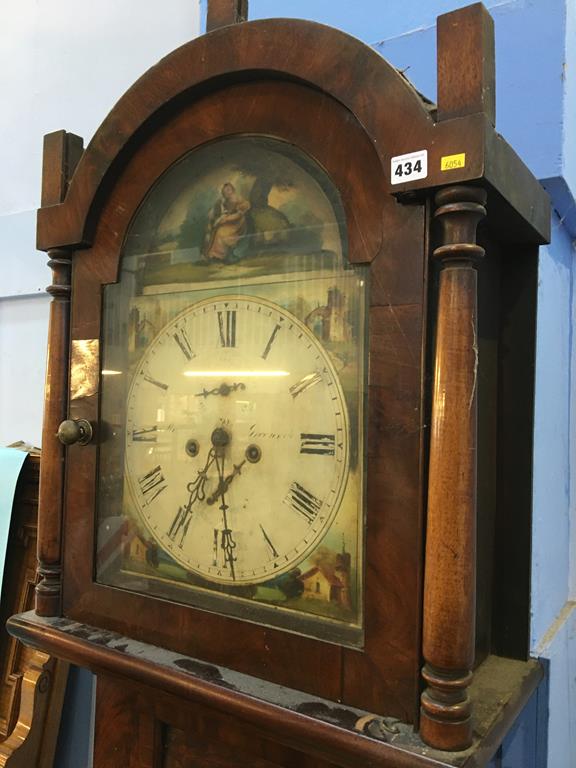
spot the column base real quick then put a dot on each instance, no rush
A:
(450, 736)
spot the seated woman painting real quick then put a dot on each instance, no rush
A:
(226, 225)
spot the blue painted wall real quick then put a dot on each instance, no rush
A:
(74, 747)
(405, 34)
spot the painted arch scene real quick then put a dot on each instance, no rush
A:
(239, 208)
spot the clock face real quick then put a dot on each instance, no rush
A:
(234, 363)
(236, 440)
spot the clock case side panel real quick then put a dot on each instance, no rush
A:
(388, 667)
(393, 645)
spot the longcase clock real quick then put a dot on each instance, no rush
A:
(268, 346)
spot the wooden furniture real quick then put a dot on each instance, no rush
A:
(32, 683)
(440, 224)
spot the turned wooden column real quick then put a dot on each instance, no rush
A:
(449, 583)
(61, 153)
(51, 493)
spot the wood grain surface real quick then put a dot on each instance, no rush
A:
(450, 581)
(351, 112)
(61, 154)
(32, 683)
(391, 238)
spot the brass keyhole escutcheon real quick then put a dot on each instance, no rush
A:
(75, 431)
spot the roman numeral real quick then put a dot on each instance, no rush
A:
(227, 327)
(322, 445)
(303, 502)
(154, 381)
(152, 484)
(270, 342)
(308, 381)
(180, 525)
(145, 435)
(181, 339)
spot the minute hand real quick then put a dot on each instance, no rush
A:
(181, 522)
(225, 483)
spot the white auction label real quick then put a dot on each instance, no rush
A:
(409, 167)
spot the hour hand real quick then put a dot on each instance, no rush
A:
(224, 390)
(196, 489)
(225, 483)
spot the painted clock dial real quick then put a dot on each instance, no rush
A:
(236, 440)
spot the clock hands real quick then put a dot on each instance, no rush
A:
(225, 482)
(181, 522)
(197, 493)
(227, 543)
(268, 541)
(224, 390)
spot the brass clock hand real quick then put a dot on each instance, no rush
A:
(225, 482)
(227, 543)
(268, 541)
(181, 522)
(224, 390)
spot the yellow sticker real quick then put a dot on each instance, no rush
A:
(450, 162)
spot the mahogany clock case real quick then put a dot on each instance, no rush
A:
(397, 307)
(350, 112)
